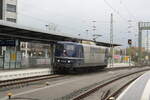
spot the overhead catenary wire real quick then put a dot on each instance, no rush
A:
(117, 12)
(45, 22)
(120, 15)
(127, 10)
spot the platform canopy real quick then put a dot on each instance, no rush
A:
(10, 30)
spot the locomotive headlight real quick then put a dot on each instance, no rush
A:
(69, 61)
(58, 60)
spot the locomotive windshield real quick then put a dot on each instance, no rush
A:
(65, 50)
(70, 51)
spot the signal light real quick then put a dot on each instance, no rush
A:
(129, 41)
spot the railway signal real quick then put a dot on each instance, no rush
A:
(129, 41)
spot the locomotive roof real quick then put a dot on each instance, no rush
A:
(68, 42)
(75, 43)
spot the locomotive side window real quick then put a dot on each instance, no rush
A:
(96, 51)
(59, 50)
(102, 50)
(79, 51)
(107, 52)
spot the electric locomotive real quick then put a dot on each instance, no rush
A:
(71, 56)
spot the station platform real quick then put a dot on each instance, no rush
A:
(138, 90)
(120, 65)
(22, 73)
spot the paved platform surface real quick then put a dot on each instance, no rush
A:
(120, 65)
(21, 73)
(138, 90)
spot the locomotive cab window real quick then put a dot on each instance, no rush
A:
(68, 50)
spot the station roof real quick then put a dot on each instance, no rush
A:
(10, 30)
(107, 44)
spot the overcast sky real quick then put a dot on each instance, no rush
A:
(73, 17)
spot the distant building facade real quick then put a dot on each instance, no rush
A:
(146, 43)
(8, 10)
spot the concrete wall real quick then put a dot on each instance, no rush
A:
(7, 14)
(14, 2)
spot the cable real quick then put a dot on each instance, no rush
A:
(117, 12)
(128, 11)
(35, 18)
(47, 22)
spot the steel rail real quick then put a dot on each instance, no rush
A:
(117, 92)
(27, 80)
(93, 90)
(24, 78)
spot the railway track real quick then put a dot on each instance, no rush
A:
(118, 91)
(9, 83)
(15, 83)
(43, 79)
(109, 95)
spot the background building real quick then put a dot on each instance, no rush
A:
(8, 10)
(146, 43)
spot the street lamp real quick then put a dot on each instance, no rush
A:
(94, 26)
(47, 27)
(87, 31)
(96, 36)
